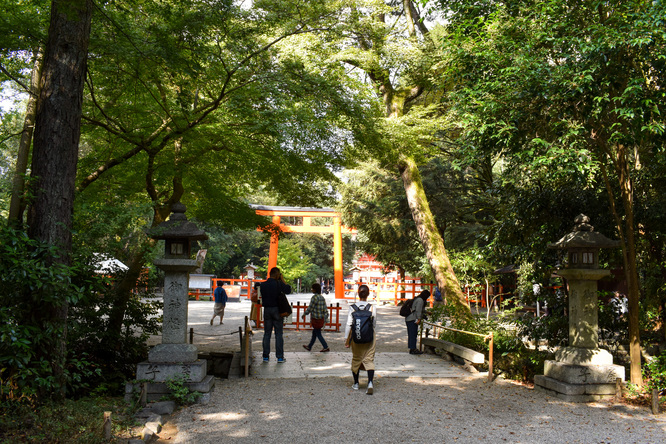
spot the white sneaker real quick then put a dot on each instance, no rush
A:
(370, 389)
(355, 386)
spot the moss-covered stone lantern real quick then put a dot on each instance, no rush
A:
(582, 371)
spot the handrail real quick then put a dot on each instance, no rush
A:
(485, 337)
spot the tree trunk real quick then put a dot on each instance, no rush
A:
(430, 238)
(123, 292)
(55, 153)
(627, 237)
(631, 273)
(17, 203)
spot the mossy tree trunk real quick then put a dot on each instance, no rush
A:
(430, 237)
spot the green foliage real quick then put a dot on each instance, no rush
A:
(71, 421)
(506, 338)
(229, 252)
(512, 357)
(113, 354)
(544, 330)
(179, 392)
(471, 267)
(28, 281)
(613, 322)
(96, 359)
(654, 372)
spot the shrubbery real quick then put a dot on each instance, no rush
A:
(512, 357)
(96, 357)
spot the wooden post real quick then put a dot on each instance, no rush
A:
(107, 426)
(655, 401)
(490, 358)
(247, 348)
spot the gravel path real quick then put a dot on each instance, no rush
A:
(326, 410)
(414, 409)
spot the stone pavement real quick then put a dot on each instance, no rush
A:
(338, 364)
(392, 359)
(391, 330)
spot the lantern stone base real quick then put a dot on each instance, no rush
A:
(155, 391)
(194, 371)
(579, 383)
(153, 376)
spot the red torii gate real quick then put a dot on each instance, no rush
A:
(307, 214)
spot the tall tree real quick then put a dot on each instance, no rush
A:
(392, 46)
(17, 204)
(566, 86)
(206, 102)
(55, 153)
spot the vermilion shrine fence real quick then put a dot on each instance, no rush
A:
(384, 292)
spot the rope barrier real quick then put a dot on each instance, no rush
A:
(214, 336)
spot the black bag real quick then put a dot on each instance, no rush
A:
(406, 308)
(283, 305)
(363, 329)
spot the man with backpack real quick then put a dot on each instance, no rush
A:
(360, 334)
(413, 319)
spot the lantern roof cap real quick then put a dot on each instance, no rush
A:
(177, 226)
(584, 236)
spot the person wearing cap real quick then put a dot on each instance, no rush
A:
(414, 319)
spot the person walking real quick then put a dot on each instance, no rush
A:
(437, 296)
(220, 302)
(363, 354)
(318, 316)
(255, 304)
(414, 319)
(270, 292)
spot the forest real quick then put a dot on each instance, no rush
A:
(459, 137)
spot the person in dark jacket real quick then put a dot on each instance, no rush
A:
(270, 291)
(414, 319)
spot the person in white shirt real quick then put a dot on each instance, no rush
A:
(363, 354)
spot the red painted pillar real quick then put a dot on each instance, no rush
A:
(273, 251)
(337, 259)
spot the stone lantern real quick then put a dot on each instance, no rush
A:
(174, 356)
(582, 372)
(249, 270)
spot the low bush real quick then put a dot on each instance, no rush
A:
(72, 421)
(512, 357)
